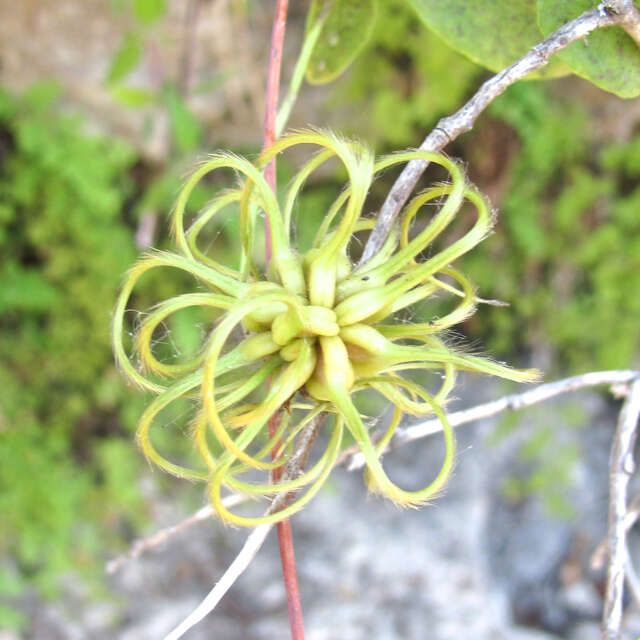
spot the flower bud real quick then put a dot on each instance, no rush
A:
(333, 369)
(360, 306)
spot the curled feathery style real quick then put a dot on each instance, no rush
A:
(310, 332)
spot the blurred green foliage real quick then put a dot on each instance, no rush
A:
(567, 241)
(69, 210)
(405, 79)
(64, 246)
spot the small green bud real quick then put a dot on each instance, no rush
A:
(360, 306)
(333, 369)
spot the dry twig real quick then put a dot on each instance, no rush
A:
(512, 402)
(621, 467)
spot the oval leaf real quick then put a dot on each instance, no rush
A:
(348, 25)
(493, 34)
(126, 58)
(607, 57)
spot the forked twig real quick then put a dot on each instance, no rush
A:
(621, 467)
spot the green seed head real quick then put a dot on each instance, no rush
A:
(309, 334)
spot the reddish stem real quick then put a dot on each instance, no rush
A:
(271, 103)
(285, 538)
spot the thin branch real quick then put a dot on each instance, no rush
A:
(236, 569)
(353, 459)
(613, 12)
(512, 402)
(146, 544)
(256, 538)
(621, 467)
(599, 556)
(631, 23)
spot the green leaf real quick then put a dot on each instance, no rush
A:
(493, 34)
(126, 58)
(132, 96)
(348, 25)
(148, 11)
(185, 127)
(607, 57)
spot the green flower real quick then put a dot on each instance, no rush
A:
(313, 327)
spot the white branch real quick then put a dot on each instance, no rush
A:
(512, 402)
(243, 560)
(621, 467)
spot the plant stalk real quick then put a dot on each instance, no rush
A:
(285, 537)
(271, 104)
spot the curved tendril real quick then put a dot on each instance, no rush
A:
(215, 162)
(474, 236)
(282, 388)
(143, 337)
(146, 263)
(181, 389)
(235, 395)
(211, 210)
(448, 379)
(290, 485)
(417, 391)
(462, 311)
(380, 482)
(330, 455)
(298, 182)
(454, 191)
(323, 230)
(358, 162)
(174, 392)
(406, 255)
(382, 443)
(362, 306)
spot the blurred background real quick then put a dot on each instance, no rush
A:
(104, 107)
